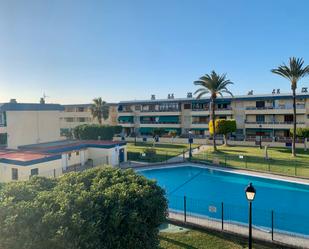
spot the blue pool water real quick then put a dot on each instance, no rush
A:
(206, 189)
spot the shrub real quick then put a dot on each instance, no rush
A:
(224, 127)
(301, 132)
(150, 152)
(94, 209)
(94, 131)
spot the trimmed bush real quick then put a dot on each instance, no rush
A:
(94, 209)
(223, 126)
(301, 132)
(94, 131)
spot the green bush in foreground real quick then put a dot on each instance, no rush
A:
(98, 208)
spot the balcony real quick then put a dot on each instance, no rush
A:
(221, 111)
(273, 125)
(160, 124)
(300, 109)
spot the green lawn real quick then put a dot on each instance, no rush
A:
(164, 151)
(202, 240)
(280, 159)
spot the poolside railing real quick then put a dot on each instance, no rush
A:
(268, 225)
(291, 167)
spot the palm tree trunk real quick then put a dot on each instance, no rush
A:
(294, 123)
(213, 122)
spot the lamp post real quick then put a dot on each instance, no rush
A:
(190, 143)
(250, 194)
(260, 126)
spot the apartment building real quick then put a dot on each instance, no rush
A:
(267, 115)
(78, 114)
(28, 123)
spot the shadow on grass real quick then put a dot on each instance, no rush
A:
(176, 243)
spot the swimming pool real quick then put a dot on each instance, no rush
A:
(206, 189)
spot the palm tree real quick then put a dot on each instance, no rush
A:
(99, 109)
(293, 72)
(213, 84)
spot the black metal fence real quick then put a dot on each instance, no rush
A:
(269, 225)
(290, 167)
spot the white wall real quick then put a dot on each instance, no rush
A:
(31, 127)
(47, 169)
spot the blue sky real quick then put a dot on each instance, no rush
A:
(122, 50)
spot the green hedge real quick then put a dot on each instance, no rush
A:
(94, 209)
(94, 131)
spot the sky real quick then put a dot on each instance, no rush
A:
(76, 50)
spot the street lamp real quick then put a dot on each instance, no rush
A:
(260, 136)
(250, 194)
(190, 142)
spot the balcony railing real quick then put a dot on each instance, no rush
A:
(208, 109)
(164, 110)
(275, 107)
(200, 122)
(153, 122)
(274, 122)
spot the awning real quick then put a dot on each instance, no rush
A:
(258, 130)
(125, 119)
(199, 129)
(146, 130)
(168, 119)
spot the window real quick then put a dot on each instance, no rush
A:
(137, 108)
(80, 109)
(14, 174)
(69, 156)
(2, 119)
(3, 138)
(69, 119)
(288, 118)
(260, 104)
(77, 153)
(34, 172)
(187, 106)
(260, 118)
(81, 120)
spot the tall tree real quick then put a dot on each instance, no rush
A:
(213, 84)
(99, 109)
(293, 72)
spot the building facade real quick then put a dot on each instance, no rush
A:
(269, 116)
(78, 114)
(30, 123)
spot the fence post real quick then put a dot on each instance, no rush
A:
(183, 155)
(225, 160)
(185, 208)
(222, 216)
(246, 165)
(268, 165)
(54, 173)
(166, 156)
(295, 168)
(272, 224)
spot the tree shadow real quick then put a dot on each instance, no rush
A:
(177, 243)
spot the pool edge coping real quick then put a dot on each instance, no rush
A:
(276, 177)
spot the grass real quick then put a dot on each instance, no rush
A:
(164, 151)
(201, 240)
(280, 159)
